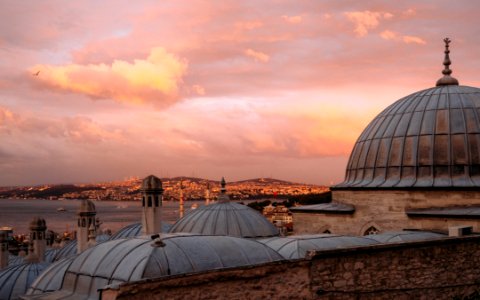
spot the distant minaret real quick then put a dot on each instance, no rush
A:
(38, 239)
(3, 249)
(86, 217)
(207, 194)
(181, 209)
(223, 197)
(152, 203)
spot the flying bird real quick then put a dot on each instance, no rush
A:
(36, 74)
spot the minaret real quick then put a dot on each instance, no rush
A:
(152, 203)
(181, 208)
(207, 194)
(38, 239)
(223, 197)
(86, 217)
(3, 248)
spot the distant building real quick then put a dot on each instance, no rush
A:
(280, 216)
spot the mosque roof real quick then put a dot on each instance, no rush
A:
(15, 280)
(225, 218)
(70, 249)
(470, 212)
(332, 207)
(51, 278)
(17, 260)
(134, 230)
(429, 139)
(406, 236)
(127, 260)
(296, 246)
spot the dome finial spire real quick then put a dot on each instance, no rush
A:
(447, 79)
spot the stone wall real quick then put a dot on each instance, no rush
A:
(385, 210)
(439, 269)
(422, 270)
(281, 280)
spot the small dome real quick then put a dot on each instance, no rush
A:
(49, 256)
(70, 249)
(226, 218)
(128, 260)
(15, 280)
(38, 224)
(406, 236)
(51, 278)
(296, 246)
(134, 230)
(151, 183)
(86, 208)
(428, 139)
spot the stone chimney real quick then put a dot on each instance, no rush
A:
(86, 217)
(151, 205)
(92, 235)
(3, 248)
(38, 240)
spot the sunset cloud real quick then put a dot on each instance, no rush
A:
(413, 40)
(234, 88)
(249, 25)
(257, 55)
(292, 19)
(366, 20)
(407, 39)
(155, 79)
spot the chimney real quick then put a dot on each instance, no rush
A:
(3, 248)
(151, 205)
(37, 239)
(86, 217)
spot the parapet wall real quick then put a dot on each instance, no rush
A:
(440, 269)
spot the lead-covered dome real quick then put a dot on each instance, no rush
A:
(15, 280)
(428, 139)
(128, 260)
(226, 218)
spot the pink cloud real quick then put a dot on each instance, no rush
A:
(257, 55)
(155, 79)
(407, 39)
(249, 25)
(366, 20)
(413, 40)
(292, 19)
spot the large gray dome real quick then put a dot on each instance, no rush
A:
(428, 139)
(226, 218)
(127, 260)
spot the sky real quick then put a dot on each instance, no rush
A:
(104, 90)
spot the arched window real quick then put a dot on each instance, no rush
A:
(371, 230)
(156, 200)
(149, 201)
(83, 222)
(143, 201)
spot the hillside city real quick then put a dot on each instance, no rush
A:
(192, 189)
